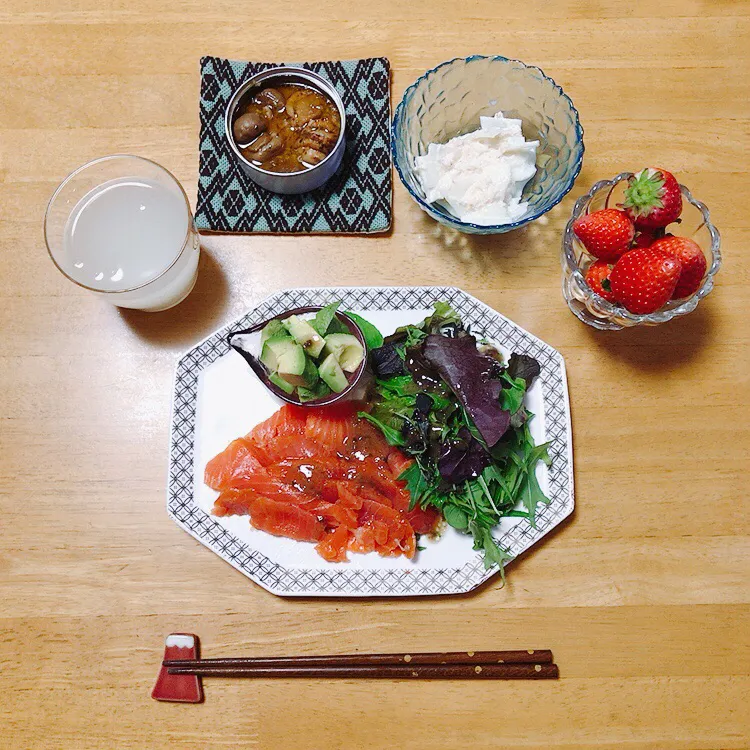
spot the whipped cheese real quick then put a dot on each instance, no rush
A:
(479, 177)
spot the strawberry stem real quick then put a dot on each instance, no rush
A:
(644, 192)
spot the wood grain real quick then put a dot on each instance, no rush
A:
(644, 596)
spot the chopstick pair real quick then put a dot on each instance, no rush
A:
(458, 665)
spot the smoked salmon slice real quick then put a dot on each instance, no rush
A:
(399, 536)
(282, 519)
(237, 460)
(279, 518)
(289, 420)
(233, 503)
(367, 491)
(362, 540)
(423, 520)
(322, 475)
(332, 427)
(290, 447)
(333, 545)
(272, 488)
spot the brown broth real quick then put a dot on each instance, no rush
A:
(298, 134)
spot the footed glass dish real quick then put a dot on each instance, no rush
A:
(588, 306)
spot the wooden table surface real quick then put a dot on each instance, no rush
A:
(644, 596)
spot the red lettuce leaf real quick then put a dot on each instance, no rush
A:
(386, 362)
(462, 459)
(469, 375)
(523, 366)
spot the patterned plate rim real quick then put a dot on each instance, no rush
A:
(340, 581)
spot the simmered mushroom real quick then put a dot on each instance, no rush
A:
(304, 105)
(264, 147)
(249, 126)
(272, 97)
(311, 156)
(320, 135)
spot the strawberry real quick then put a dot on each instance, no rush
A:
(647, 237)
(653, 198)
(693, 261)
(597, 277)
(643, 279)
(606, 234)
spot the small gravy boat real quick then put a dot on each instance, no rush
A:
(247, 343)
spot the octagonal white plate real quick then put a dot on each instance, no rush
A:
(218, 398)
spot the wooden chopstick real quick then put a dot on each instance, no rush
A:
(531, 656)
(384, 671)
(454, 665)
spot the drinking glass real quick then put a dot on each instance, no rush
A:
(121, 227)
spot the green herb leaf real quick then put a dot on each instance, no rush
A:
(473, 428)
(337, 326)
(530, 491)
(416, 483)
(443, 315)
(511, 398)
(414, 336)
(516, 514)
(393, 437)
(442, 403)
(444, 310)
(455, 517)
(507, 487)
(393, 410)
(399, 385)
(319, 390)
(539, 453)
(373, 337)
(493, 553)
(323, 318)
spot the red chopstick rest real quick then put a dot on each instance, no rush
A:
(179, 688)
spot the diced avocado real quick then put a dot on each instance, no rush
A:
(307, 378)
(276, 347)
(279, 382)
(283, 355)
(305, 335)
(349, 352)
(272, 329)
(332, 374)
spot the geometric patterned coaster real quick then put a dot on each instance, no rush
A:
(357, 199)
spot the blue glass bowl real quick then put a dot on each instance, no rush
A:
(448, 100)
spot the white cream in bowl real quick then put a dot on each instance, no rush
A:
(479, 176)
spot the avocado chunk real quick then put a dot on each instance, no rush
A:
(283, 355)
(332, 374)
(306, 379)
(305, 335)
(349, 352)
(279, 382)
(273, 329)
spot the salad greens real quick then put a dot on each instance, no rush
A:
(457, 408)
(326, 322)
(373, 337)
